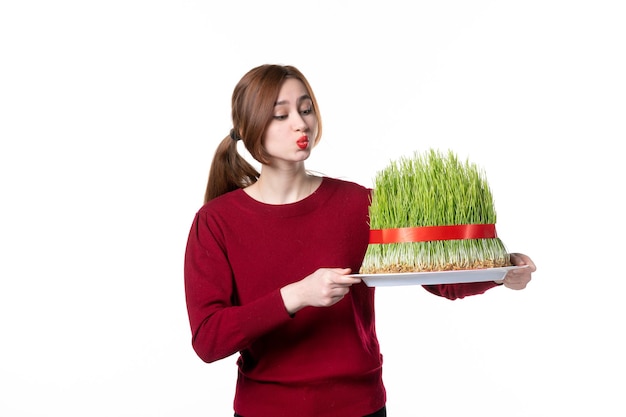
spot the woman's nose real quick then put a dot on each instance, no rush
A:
(299, 123)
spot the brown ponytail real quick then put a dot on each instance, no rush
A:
(229, 171)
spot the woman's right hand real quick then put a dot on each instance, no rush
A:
(323, 288)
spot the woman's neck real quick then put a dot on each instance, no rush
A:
(283, 186)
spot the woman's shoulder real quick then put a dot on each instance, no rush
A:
(223, 202)
(345, 191)
(346, 184)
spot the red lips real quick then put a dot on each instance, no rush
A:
(303, 142)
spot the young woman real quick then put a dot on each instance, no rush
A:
(269, 258)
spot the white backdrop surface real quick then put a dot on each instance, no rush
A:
(109, 116)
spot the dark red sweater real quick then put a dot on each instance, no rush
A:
(321, 362)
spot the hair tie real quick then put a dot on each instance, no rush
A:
(233, 135)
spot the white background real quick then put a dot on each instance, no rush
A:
(110, 112)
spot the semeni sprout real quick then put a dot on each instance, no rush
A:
(432, 189)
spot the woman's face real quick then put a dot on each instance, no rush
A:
(289, 136)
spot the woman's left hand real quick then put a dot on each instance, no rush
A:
(517, 279)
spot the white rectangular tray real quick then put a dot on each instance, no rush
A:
(435, 277)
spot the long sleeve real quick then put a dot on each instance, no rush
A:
(219, 326)
(455, 291)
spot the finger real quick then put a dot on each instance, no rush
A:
(518, 280)
(518, 275)
(347, 281)
(519, 259)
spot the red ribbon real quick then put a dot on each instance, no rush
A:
(427, 233)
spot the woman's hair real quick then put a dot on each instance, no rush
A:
(253, 103)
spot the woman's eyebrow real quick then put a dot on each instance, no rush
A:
(300, 100)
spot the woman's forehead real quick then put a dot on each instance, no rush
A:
(292, 91)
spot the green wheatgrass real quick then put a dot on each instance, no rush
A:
(432, 189)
